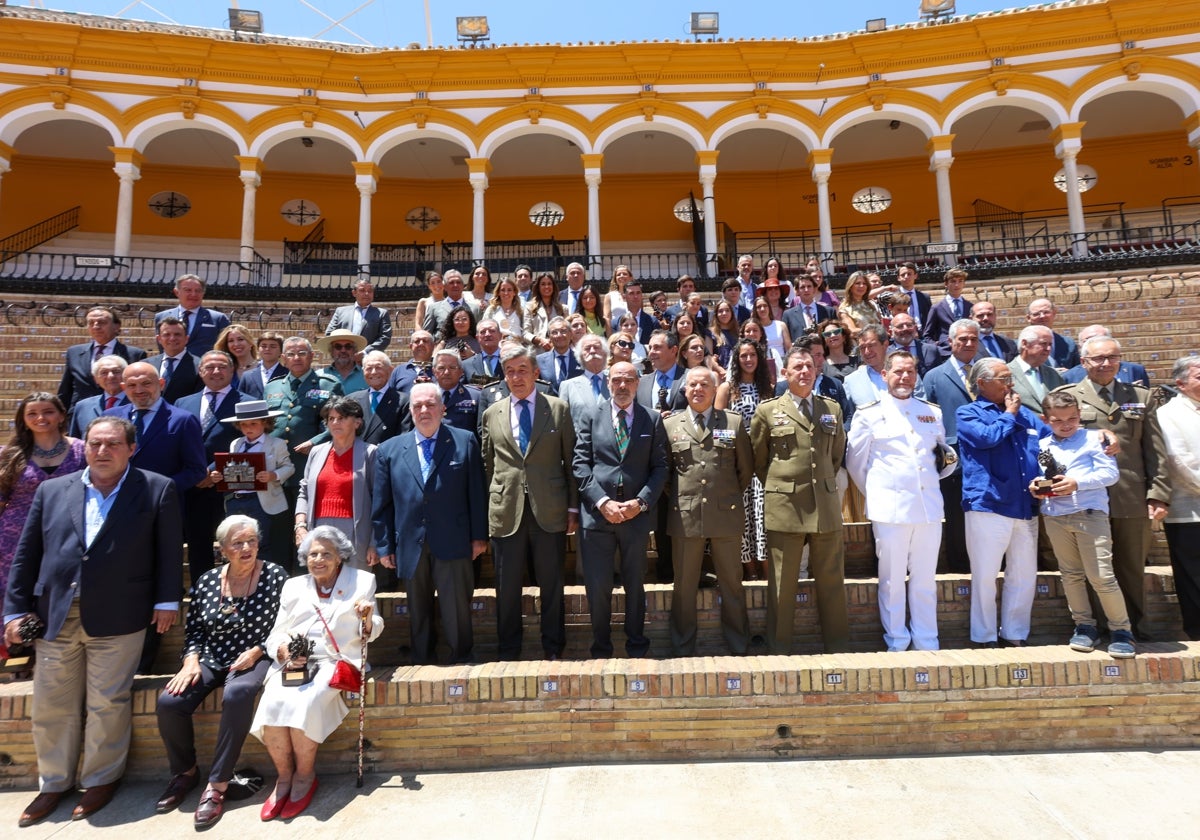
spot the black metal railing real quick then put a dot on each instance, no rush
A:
(503, 256)
(43, 231)
(298, 251)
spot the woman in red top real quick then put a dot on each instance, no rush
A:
(336, 488)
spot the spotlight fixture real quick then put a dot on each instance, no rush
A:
(705, 23)
(244, 20)
(876, 24)
(473, 28)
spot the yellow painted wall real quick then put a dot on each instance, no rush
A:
(1138, 170)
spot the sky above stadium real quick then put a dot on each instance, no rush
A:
(387, 23)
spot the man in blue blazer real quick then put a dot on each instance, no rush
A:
(807, 313)
(647, 323)
(78, 379)
(1129, 372)
(205, 506)
(201, 324)
(1041, 312)
(99, 561)
(430, 519)
(947, 310)
(379, 400)
(621, 467)
(178, 369)
(947, 387)
(364, 318)
(558, 364)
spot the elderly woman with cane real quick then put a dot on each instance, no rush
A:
(317, 639)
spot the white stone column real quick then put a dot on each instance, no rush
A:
(707, 161)
(1068, 140)
(479, 169)
(940, 161)
(250, 174)
(366, 179)
(591, 176)
(128, 166)
(820, 164)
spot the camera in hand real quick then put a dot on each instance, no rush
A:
(1050, 469)
(300, 669)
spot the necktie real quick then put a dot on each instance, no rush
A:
(958, 309)
(360, 318)
(965, 372)
(1035, 379)
(524, 424)
(700, 424)
(295, 383)
(99, 351)
(1106, 395)
(489, 364)
(574, 302)
(109, 402)
(562, 368)
(446, 398)
(211, 409)
(187, 321)
(427, 451)
(811, 312)
(622, 433)
(806, 410)
(374, 401)
(170, 369)
(596, 389)
(139, 422)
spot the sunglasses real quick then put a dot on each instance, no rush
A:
(627, 345)
(834, 331)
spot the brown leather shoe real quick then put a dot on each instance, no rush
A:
(177, 790)
(212, 806)
(41, 807)
(95, 798)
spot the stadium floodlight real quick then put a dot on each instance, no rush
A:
(705, 23)
(245, 20)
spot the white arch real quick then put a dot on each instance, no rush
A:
(790, 126)
(276, 134)
(639, 124)
(402, 134)
(151, 129)
(1177, 90)
(524, 128)
(907, 114)
(15, 122)
(1047, 107)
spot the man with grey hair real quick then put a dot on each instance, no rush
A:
(363, 318)
(1033, 375)
(583, 393)
(711, 464)
(1130, 372)
(528, 444)
(1041, 312)
(569, 297)
(379, 400)
(558, 364)
(439, 313)
(106, 373)
(1144, 490)
(745, 278)
(484, 367)
(1180, 422)
(461, 401)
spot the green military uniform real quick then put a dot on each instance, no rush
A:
(797, 459)
(301, 402)
(709, 471)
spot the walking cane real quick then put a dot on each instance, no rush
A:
(362, 704)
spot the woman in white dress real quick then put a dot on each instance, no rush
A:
(505, 309)
(480, 282)
(775, 333)
(436, 292)
(330, 607)
(614, 299)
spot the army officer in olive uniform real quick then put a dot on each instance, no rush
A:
(799, 445)
(711, 463)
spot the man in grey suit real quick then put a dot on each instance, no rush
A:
(1033, 376)
(364, 318)
(946, 386)
(100, 561)
(78, 379)
(621, 467)
(583, 393)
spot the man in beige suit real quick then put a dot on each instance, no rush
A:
(1143, 491)
(528, 443)
(799, 445)
(711, 464)
(1033, 376)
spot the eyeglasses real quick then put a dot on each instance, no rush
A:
(1104, 360)
(833, 331)
(627, 345)
(297, 354)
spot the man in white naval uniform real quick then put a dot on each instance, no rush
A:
(891, 454)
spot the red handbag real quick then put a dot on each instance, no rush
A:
(346, 675)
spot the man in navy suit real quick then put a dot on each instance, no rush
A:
(107, 372)
(919, 302)
(201, 324)
(686, 286)
(991, 343)
(647, 323)
(430, 517)
(558, 364)
(903, 330)
(78, 380)
(484, 367)
(731, 290)
(364, 318)
(621, 467)
(807, 313)
(205, 506)
(1129, 372)
(947, 310)
(178, 369)
(946, 385)
(461, 402)
(1041, 312)
(253, 383)
(569, 297)
(380, 402)
(420, 363)
(99, 561)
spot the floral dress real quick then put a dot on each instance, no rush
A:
(20, 500)
(754, 537)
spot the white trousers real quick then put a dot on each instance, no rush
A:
(990, 537)
(912, 551)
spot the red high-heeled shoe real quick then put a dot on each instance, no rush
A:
(294, 808)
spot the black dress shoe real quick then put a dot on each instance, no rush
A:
(1013, 643)
(95, 798)
(177, 790)
(41, 807)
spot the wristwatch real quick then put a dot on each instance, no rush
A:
(642, 506)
